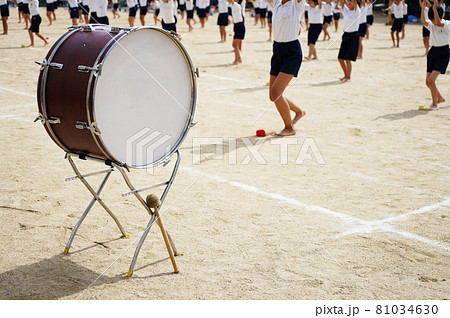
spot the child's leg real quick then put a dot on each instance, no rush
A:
(426, 43)
(397, 35)
(277, 86)
(360, 49)
(344, 68)
(237, 54)
(42, 38)
(349, 68)
(31, 38)
(393, 39)
(436, 96)
(49, 17)
(5, 25)
(299, 113)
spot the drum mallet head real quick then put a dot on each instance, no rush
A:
(153, 201)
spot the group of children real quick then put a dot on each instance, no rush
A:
(283, 19)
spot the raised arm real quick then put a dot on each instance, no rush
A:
(320, 4)
(422, 12)
(437, 18)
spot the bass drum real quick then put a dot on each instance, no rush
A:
(125, 95)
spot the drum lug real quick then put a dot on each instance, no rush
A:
(85, 27)
(83, 125)
(194, 123)
(45, 64)
(196, 71)
(51, 120)
(86, 69)
(116, 29)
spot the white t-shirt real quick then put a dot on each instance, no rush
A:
(202, 4)
(72, 3)
(166, 12)
(405, 9)
(369, 9)
(327, 9)
(142, 3)
(131, 3)
(286, 20)
(438, 36)
(397, 10)
(33, 5)
(351, 19)
(236, 12)
(223, 6)
(363, 15)
(101, 7)
(314, 14)
(335, 7)
(85, 2)
(189, 5)
(182, 2)
(256, 4)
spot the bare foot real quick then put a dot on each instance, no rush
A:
(441, 100)
(298, 116)
(431, 108)
(285, 132)
(31, 45)
(307, 58)
(345, 80)
(235, 63)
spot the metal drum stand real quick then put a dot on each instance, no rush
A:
(153, 212)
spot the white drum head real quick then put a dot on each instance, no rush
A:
(144, 98)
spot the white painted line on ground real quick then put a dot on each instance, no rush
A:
(396, 156)
(230, 79)
(394, 184)
(16, 92)
(368, 226)
(8, 72)
(17, 106)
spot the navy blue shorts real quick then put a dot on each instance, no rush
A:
(370, 19)
(257, 11)
(4, 10)
(337, 16)
(327, 19)
(269, 17)
(132, 12)
(425, 32)
(438, 58)
(26, 9)
(35, 23)
(93, 19)
(115, 6)
(55, 5)
(74, 13)
(362, 30)
(405, 19)
(222, 19)
(201, 13)
(397, 25)
(190, 14)
(239, 31)
(263, 13)
(287, 58)
(169, 26)
(306, 15)
(313, 33)
(182, 7)
(50, 7)
(143, 10)
(20, 7)
(84, 9)
(349, 46)
(103, 20)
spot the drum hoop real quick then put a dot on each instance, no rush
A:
(193, 94)
(44, 86)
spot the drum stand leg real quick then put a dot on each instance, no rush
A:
(154, 216)
(96, 195)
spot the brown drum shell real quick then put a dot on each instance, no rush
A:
(68, 93)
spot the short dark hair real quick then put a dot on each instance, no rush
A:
(439, 10)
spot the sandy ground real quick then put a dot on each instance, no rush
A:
(359, 209)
